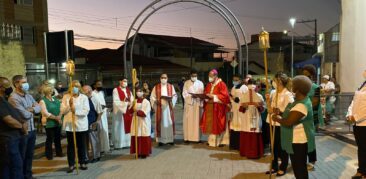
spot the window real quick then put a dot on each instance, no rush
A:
(335, 37)
(27, 33)
(24, 2)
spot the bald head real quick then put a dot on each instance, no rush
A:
(4, 84)
(87, 90)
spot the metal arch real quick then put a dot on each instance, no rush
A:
(244, 36)
(210, 2)
(223, 14)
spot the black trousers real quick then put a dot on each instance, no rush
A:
(312, 156)
(81, 147)
(298, 160)
(234, 140)
(53, 135)
(278, 152)
(360, 134)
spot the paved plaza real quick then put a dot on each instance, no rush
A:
(336, 159)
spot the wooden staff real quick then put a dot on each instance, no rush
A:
(134, 80)
(70, 70)
(264, 45)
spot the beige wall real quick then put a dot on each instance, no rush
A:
(352, 44)
(11, 55)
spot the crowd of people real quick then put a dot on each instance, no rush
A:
(240, 118)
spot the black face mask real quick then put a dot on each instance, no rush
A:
(99, 88)
(8, 91)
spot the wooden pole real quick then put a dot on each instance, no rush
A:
(74, 130)
(134, 80)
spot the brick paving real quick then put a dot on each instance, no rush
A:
(336, 159)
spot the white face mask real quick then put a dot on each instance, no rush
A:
(193, 79)
(139, 94)
(211, 79)
(164, 81)
(274, 84)
(124, 84)
(253, 87)
(364, 74)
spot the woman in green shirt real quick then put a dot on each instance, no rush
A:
(51, 118)
(297, 127)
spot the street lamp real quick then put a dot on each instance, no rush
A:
(292, 22)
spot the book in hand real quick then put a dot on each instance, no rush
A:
(201, 96)
(166, 98)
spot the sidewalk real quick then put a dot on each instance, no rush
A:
(336, 159)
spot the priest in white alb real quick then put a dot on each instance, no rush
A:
(103, 134)
(163, 99)
(122, 117)
(192, 108)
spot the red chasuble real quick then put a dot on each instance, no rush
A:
(214, 115)
(158, 107)
(127, 117)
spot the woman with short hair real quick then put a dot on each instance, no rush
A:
(52, 119)
(297, 126)
(78, 104)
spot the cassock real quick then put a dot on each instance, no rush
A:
(103, 134)
(164, 114)
(213, 120)
(142, 109)
(192, 110)
(237, 117)
(122, 117)
(251, 144)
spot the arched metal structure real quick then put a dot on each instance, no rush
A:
(215, 5)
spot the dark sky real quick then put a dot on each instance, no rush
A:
(111, 19)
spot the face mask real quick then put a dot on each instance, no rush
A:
(274, 84)
(59, 86)
(139, 94)
(75, 90)
(253, 87)
(236, 83)
(364, 75)
(99, 88)
(124, 84)
(211, 79)
(163, 81)
(25, 87)
(193, 79)
(8, 91)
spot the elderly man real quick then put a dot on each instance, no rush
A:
(357, 115)
(11, 127)
(213, 120)
(27, 107)
(94, 117)
(163, 99)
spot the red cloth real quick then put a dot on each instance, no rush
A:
(143, 144)
(242, 109)
(127, 117)
(158, 108)
(141, 113)
(251, 145)
(216, 125)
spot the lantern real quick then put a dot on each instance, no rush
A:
(264, 40)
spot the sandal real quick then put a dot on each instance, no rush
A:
(280, 173)
(269, 172)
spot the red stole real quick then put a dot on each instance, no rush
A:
(127, 117)
(158, 107)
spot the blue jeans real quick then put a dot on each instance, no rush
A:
(28, 151)
(12, 159)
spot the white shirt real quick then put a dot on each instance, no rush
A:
(81, 104)
(299, 135)
(284, 98)
(100, 96)
(357, 109)
(196, 87)
(97, 105)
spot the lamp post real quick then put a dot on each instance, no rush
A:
(292, 22)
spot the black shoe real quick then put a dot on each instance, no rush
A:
(93, 161)
(186, 142)
(171, 143)
(280, 173)
(49, 158)
(269, 172)
(83, 167)
(98, 159)
(70, 170)
(60, 155)
(160, 144)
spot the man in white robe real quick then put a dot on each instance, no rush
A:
(192, 108)
(122, 118)
(163, 98)
(103, 134)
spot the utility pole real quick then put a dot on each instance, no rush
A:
(315, 32)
